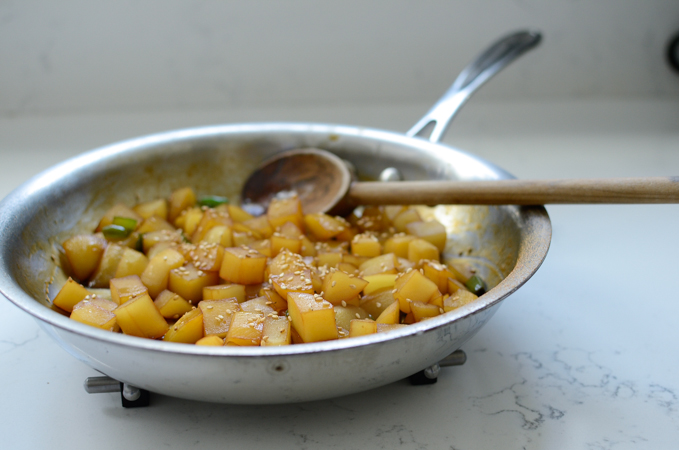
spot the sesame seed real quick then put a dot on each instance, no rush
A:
(358, 316)
(378, 304)
(344, 303)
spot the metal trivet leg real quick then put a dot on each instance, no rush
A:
(131, 396)
(430, 375)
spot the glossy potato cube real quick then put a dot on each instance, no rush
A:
(94, 313)
(171, 305)
(276, 331)
(222, 291)
(432, 231)
(391, 314)
(282, 210)
(131, 262)
(189, 281)
(188, 329)
(180, 200)
(83, 252)
(419, 249)
(366, 244)
(243, 266)
(158, 208)
(338, 286)
(70, 295)
(362, 327)
(212, 341)
(140, 317)
(108, 265)
(217, 315)
(156, 276)
(323, 226)
(458, 299)
(245, 329)
(126, 288)
(413, 286)
(312, 317)
(380, 264)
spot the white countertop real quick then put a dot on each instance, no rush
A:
(583, 356)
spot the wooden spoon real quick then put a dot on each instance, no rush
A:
(324, 183)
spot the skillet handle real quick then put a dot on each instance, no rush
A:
(480, 70)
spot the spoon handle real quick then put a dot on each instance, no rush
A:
(517, 192)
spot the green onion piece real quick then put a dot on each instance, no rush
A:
(113, 232)
(212, 201)
(476, 285)
(125, 222)
(139, 246)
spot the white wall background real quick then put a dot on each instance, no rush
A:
(75, 57)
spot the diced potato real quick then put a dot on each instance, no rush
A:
(338, 287)
(422, 310)
(278, 303)
(263, 247)
(171, 305)
(189, 220)
(245, 329)
(419, 249)
(431, 231)
(345, 314)
(329, 258)
(238, 214)
(118, 210)
(180, 200)
(70, 295)
(287, 237)
(384, 327)
(379, 282)
(405, 217)
(126, 288)
(222, 291)
(155, 223)
(151, 238)
(188, 329)
(282, 210)
(413, 287)
(131, 262)
(438, 273)
(189, 281)
(210, 219)
(312, 317)
(90, 313)
(285, 262)
(362, 327)
(380, 264)
(298, 281)
(108, 265)
(243, 266)
(276, 331)
(207, 256)
(212, 341)
(348, 268)
(83, 252)
(323, 226)
(377, 302)
(366, 244)
(217, 315)
(140, 317)
(239, 227)
(454, 285)
(398, 244)
(220, 234)
(261, 225)
(458, 299)
(158, 208)
(157, 273)
(391, 314)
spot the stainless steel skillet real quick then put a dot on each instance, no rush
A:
(506, 244)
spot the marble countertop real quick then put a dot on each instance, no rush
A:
(583, 356)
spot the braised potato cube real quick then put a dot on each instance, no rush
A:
(391, 314)
(207, 256)
(348, 268)
(276, 331)
(345, 314)
(380, 264)
(374, 304)
(140, 317)
(70, 295)
(91, 313)
(298, 281)
(213, 341)
(155, 223)
(118, 210)
(330, 258)
(211, 218)
(458, 299)
(398, 244)
(131, 262)
(189, 281)
(323, 226)
(238, 214)
(188, 329)
(362, 327)
(217, 315)
(263, 247)
(413, 287)
(454, 285)
(180, 200)
(405, 217)
(259, 305)
(151, 238)
(283, 210)
(338, 286)
(431, 231)
(379, 282)
(243, 266)
(366, 244)
(238, 227)
(419, 249)
(312, 317)
(438, 273)
(288, 237)
(278, 303)
(108, 265)
(245, 329)
(171, 305)
(126, 288)
(83, 252)
(285, 261)
(384, 327)
(158, 208)
(424, 310)
(222, 291)
(220, 234)
(261, 225)
(189, 220)
(157, 273)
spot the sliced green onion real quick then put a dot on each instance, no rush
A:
(212, 201)
(476, 285)
(115, 232)
(125, 222)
